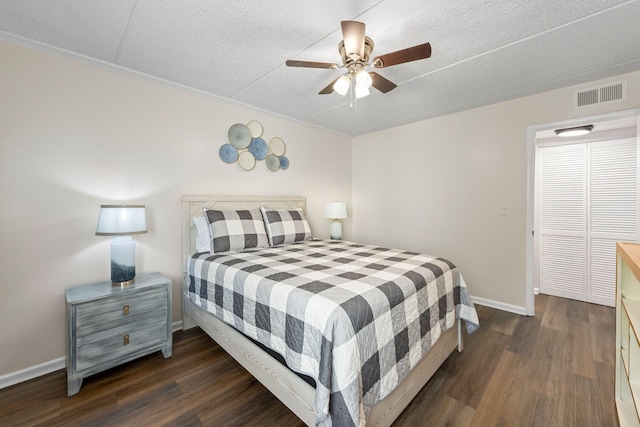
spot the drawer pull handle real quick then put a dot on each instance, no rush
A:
(125, 310)
(125, 340)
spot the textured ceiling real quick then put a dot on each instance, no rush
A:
(484, 51)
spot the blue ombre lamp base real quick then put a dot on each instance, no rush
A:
(123, 260)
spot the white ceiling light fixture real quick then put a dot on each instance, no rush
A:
(363, 83)
(363, 78)
(341, 85)
(574, 131)
(361, 90)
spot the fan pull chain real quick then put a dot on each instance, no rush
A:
(352, 104)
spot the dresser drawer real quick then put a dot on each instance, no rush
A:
(93, 317)
(111, 345)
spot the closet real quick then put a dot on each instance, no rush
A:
(586, 200)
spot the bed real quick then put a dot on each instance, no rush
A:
(303, 387)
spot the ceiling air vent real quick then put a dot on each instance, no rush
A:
(612, 92)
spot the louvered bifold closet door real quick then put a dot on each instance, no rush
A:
(587, 200)
(613, 211)
(562, 220)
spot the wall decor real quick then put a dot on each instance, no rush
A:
(277, 146)
(246, 160)
(258, 148)
(246, 146)
(255, 128)
(228, 153)
(239, 136)
(273, 162)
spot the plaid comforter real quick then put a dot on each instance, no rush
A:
(355, 318)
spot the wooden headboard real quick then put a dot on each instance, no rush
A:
(192, 206)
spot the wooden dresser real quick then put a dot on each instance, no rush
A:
(627, 381)
(108, 325)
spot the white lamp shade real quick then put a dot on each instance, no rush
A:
(361, 90)
(342, 85)
(364, 79)
(121, 220)
(335, 210)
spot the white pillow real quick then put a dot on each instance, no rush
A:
(203, 236)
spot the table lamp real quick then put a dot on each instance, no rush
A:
(336, 211)
(122, 221)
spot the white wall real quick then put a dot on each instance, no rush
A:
(436, 186)
(74, 136)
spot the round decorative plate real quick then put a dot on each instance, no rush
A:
(255, 128)
(273, 162)
(239, 136)
(277, 146)
(258, 148)
(246, 160)
(228, 153)
(284, 163)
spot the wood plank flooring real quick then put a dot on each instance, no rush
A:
(554, 369)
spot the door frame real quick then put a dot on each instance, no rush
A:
(532, 132)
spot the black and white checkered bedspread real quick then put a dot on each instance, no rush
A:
(355, 318)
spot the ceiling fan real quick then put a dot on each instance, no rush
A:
(355, 49)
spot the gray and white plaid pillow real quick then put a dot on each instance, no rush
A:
(285, 226)
(236, 230)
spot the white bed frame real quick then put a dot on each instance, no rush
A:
(294, 392)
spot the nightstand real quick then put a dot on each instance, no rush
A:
(108, 325)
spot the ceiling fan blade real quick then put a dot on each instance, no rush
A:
(353, 35)
(329, 89)
(414, 53)
(381, 83)
(309, 64)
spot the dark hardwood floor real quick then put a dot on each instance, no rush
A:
(554, 369)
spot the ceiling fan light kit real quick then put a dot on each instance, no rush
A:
(363, 78)
(361, 90)
(355, 50)
(342, 84)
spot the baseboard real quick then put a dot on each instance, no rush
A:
(31, 372)
(45, 368)
(500, 305)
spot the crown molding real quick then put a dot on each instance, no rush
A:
(110, 66)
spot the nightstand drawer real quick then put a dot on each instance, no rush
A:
(92, 317)
(117, 343)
